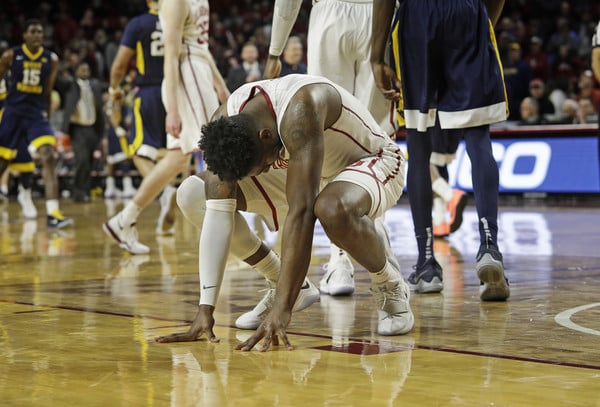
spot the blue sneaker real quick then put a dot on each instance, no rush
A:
(427, 278)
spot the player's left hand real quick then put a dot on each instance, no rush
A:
(271, 329)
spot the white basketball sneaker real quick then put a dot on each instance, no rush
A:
(393, 308)
(126, 236)
(339, 276)
(309, 294)
(24, 199)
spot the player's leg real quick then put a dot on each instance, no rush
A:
(350, 210)
(41, 142)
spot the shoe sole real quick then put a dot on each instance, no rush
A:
(339, 291)
(491, 273)
(61, 225)
(458, 214)
(436, 285)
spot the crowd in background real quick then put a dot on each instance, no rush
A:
(544, 46)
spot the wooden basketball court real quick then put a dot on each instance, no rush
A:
(78, 317)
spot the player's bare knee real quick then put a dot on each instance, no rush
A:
(332, 213)
(191, 199)
(46, 154)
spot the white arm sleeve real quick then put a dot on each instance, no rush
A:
(285, 13)
(215, 239)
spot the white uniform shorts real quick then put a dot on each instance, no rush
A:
(381, 176)
(339, 49)
(197, 101)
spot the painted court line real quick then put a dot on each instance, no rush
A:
(564, 319)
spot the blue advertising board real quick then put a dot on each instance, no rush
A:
(566, 164)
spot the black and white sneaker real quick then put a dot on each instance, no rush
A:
(427, 278)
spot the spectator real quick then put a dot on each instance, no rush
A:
(566, 67)
(293, 54)
(530, 114)
(248, 71)
(84, 122)
(587, 90)
(517, 75)
(537, 91)
(537, 59)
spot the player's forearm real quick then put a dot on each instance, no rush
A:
(494, 9)
(285, 13)
(296, 247)
(171, 71)
(383, 12)
(117, 73)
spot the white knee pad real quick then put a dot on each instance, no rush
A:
(191, 199)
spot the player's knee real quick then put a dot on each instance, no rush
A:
(46, 154)
(331, 212)
(191, 199)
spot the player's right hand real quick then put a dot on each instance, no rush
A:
(116, 95)
(203, 323)
(173, 124)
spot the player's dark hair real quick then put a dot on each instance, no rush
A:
(29, 22)
(229, 147)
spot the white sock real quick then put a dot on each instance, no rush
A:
(385, 274)
(110, 182)
(4, 189)
(127, 182)
(215, 238)
(130, 213)
(51, 206)
(269, 267)
(442, 188)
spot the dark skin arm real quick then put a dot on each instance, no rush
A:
(312, 109)
(383, 11)
(204, 321)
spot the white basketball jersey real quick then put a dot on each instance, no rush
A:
(195, 28)
(353, 136)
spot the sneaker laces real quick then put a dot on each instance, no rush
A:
(266, 302)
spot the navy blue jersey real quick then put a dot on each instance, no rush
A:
(28, 91)
(144, 35)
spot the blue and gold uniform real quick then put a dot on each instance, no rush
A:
(143, 34)
(25, 117)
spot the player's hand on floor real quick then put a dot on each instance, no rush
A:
(203, 324)
(271, 329)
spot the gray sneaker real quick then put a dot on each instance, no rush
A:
(490, 270)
